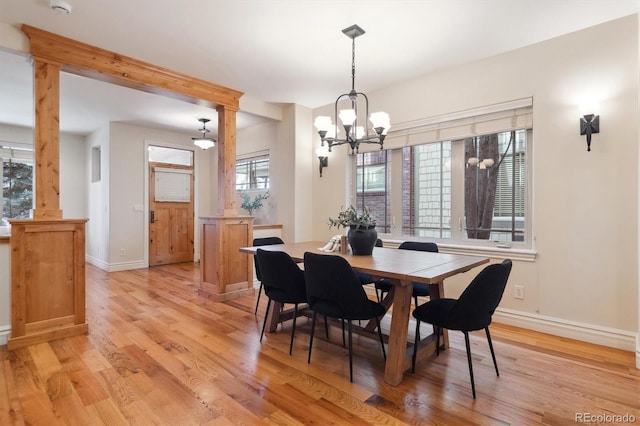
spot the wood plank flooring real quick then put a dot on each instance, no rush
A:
(157, 353)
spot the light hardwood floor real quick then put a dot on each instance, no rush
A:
(157, 353)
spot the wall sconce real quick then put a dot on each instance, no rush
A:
(323, 156)
(589, 124)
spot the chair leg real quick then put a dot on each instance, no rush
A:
(384, 353)
(466, 341)
(437, 332)
(326, 327)
(415, 347)
(350, 353)
(493, 355)
(415, 300)
(343, 341)
(258, 301)
(313, 326)
(293, 328)
(266, 314)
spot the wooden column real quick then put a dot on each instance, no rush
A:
(225, 273)
(47, 253)
(47, 140)
(226, 161)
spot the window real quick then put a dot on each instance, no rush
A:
(17, 181)
(426, 190)
(462, 180)
(495, 190)
(372, 177)
(492, 206)
(252, 173)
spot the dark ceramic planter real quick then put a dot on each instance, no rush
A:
(362, 240)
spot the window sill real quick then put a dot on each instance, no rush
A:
(525, 255)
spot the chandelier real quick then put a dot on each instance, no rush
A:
(354, 134)
(204, 142)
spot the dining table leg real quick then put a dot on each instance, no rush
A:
(436, 291)
(397, 346)
(274, 316)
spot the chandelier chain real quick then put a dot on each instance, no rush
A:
(353, 65)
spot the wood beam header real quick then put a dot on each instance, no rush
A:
(93, 62)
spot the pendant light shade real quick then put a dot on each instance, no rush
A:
(204, 142)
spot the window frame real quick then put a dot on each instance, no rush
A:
(519, 113)
(251, 161)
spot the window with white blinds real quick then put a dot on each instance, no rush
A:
(460, 178)
(503, 117)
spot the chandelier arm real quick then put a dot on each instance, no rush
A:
(366, 115)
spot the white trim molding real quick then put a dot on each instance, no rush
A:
(5, 331)
(605, 336)
(115, 267)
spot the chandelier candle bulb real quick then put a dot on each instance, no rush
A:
(347, 116)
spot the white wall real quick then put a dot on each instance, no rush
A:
(289, 143)
(256, 140)
(73, 168)
(73, 176)
(584, 279)
(127, 226)
(97, 228)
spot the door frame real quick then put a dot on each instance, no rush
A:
(196, 203)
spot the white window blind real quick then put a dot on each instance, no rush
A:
(16, 151)
(172, 185)
(496, 118)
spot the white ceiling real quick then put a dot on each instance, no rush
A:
(280, 51)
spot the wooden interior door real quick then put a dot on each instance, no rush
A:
(171, 213)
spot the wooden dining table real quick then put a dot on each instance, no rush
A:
(402, 268)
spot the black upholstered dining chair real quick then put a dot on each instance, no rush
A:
(266, 241)
(471, 311)
(334, 290)
(419, 289)
(283, 282)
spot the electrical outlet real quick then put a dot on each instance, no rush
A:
(518, 291)
(123, 252)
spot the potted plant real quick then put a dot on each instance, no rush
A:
(251, 206)
(362, 234)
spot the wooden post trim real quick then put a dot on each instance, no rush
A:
(226, 161)
(100, 64)
(47, 140)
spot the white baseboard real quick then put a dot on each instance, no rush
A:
(97, 262)
(125, 266)
(605, 336)
(114, 267)
(5, 331)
